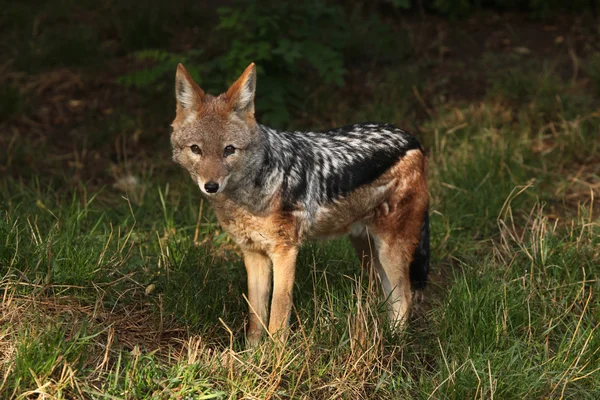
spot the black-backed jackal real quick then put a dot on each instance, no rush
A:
(272, 190)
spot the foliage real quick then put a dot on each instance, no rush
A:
(537, 8)
(453, 8)
(162, 63)
(403, 4)
(544, 8)
(259, 32)
(593, 70)
(290, 42)
(296, 48)
(299, 48)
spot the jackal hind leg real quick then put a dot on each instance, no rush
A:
(392, 261)
(258, 268)
(384, 258)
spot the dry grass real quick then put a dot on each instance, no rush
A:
(116, 282)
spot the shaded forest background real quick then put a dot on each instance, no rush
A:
(303, 50)
(86, 71)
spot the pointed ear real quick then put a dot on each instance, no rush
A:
(241, 94)
(188, 93)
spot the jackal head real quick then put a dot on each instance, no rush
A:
(215, 138)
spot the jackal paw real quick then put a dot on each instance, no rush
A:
(253, 338)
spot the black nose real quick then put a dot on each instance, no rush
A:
(211, 187)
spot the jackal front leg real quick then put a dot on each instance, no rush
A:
(284, 269)
(258, 268)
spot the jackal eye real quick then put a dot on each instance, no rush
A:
(229, 150)
(195, 149)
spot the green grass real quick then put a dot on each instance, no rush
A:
(593, 69)
(110, 298)
(115, 288)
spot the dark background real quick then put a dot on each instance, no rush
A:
(84, 84)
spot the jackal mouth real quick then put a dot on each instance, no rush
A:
(212, 188)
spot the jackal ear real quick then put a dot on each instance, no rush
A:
(187, 92)
(241, 93)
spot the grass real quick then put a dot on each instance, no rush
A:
(104, 297)
(593, 70)
(117, 283)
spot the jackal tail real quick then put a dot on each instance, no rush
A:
(419, 267)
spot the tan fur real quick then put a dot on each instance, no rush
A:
(378, 202)
(385, 216)
(392, 215)
(258, 267)
(183, 77)
(235, 92)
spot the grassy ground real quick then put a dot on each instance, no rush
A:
(117, 283)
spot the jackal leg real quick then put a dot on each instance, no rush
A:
(394, 270)
(258, 268)
(284, 269)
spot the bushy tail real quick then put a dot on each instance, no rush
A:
(419, 267)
